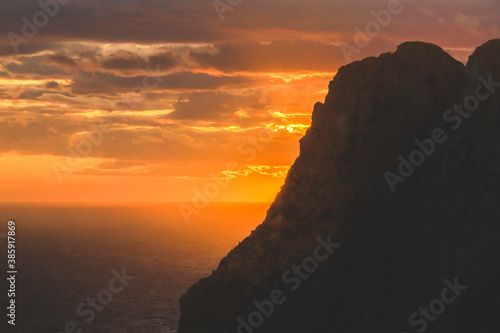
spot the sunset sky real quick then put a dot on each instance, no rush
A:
(151, 100)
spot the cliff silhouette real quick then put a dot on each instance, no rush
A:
(400, 169)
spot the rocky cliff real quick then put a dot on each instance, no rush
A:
(399, 173)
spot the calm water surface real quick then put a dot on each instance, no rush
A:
(66, 252)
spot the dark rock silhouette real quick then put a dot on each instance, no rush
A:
(441, 223)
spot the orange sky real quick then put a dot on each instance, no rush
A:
(157, 100)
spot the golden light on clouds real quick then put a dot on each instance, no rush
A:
(151, 109)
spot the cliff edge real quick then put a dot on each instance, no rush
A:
(391, 207)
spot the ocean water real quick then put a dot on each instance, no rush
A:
(65, 254)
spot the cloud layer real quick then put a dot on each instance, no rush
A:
(182, 91)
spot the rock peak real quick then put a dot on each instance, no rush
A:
(486, 57)
(419, 47)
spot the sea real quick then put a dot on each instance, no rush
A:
(112, 267)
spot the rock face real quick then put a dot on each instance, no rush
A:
(441, 223)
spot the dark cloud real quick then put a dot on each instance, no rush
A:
(211, 105)
(52, 85)
(34, 46)
(61, 59)
(125, 63)
(159, 21)
(30, 94)
(119, 21)
(163, 61)
(34, 66)
(97, 82)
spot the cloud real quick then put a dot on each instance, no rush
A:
(98, 82)
(214, 105)
(196, 21)
(126, 61)
(467, 22)
(276, 56)
(35, 66)
(268, 170)
(116, 164)
(30, 48)
(61, 59)
(111, 167)
(211, 87)
(52, 85)
(30, 94)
